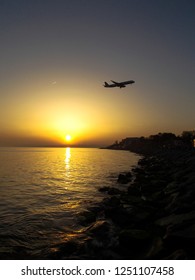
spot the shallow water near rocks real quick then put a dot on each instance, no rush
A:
(44, 190)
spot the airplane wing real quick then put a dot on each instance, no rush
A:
(116, 83)
(109, 85)
(121, 85)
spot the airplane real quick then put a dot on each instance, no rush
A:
(118, 84)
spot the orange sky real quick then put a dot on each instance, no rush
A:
(87, 112)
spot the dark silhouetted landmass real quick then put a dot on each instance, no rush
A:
(156, 143)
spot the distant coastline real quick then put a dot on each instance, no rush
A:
(156, 143)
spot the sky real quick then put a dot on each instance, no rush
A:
(56, 55)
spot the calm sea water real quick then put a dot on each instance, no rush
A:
(43, 191)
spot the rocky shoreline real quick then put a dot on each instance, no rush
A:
(149, 214)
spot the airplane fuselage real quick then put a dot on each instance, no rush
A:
(118, 84)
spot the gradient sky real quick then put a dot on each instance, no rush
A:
(56, 54)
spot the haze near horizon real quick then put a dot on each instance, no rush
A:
(56, 55)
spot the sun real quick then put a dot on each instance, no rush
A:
(68, 138)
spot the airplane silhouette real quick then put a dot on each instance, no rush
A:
(118, 84)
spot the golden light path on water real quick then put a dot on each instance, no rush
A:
(67, 158)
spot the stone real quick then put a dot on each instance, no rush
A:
(119, 215)
(114, 191)
(134, 191)
(87, 217)
(174, 219)
(124, 178)
(99, 228)
(135, 242)
(179, 254)
(112, 202)
(104, 189)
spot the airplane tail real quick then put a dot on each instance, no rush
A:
(106, 84)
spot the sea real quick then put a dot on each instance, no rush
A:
(44, 191)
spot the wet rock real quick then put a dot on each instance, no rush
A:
(124, 178)
(111, 202)
(114, 191)
(96, 209)
(65, 250)
(102, 235)
(139, 171)
(87, 217)
(99, 227)
(110, 190)
(104, 189)
(119, 215)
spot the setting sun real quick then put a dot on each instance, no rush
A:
(68, 138)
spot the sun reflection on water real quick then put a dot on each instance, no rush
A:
(67, 158)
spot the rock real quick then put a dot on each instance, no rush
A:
(103, 240)
(135, 242)
(64, 250)
(124, 178)
(111, 202)
(114, 191)
(153, 218)
(87, 217)
(99, 228)
(179, 254)
(153, 186)
(155, 197)
(156, 249)
(181, 237)
(109, 190)
(119, 215)
(184, 231)
(96, 209)
(142, 216)
(174, 219)
(129, 175)
(130, 235)
(139, 171)
(134, 191)
(171, 188)
(131, 199)
(104, 189)
(181, 202)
